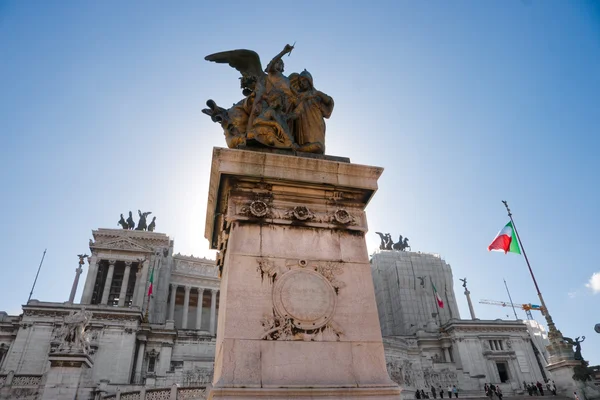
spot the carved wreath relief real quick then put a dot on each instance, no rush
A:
(304, 298)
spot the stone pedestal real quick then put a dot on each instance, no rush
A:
(562, 367)
(64, 376)
(297, 314)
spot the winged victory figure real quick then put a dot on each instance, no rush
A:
(265, 117)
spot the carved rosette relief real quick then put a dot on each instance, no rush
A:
(342, 216)
(256, 208)
(304, 296)
(265, 209)
(301, 213)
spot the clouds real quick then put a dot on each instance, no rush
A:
(594, 283)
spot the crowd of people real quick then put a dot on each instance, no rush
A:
(537, 389)
(451, 390)
(491, 390)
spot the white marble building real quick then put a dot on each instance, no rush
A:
(137, 344)
(431, 346)
(163, 347)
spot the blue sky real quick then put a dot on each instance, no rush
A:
(464, 103)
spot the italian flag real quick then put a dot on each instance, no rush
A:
(506, 241)
(151, 282)
(437, 296)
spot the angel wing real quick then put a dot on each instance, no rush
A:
(245, 61)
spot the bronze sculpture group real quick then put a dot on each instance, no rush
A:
(388, 244)
(278, 111)
(142, 223)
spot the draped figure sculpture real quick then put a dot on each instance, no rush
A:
(277, 112)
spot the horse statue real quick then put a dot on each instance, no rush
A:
(130, 221)
(123, 223)
(402, 244)
(383, 237)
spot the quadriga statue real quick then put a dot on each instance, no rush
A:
(278, 111)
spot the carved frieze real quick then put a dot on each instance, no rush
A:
(264, 209)
(124, 244)
(304, 296)
(192, 268)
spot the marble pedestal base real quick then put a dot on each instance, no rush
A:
(297, 313)
(64, 377)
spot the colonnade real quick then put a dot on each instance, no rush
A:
(103, 294)
(186, 306)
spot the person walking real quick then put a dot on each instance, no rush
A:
(441, 392)
(540, 387)
(455, 391)
(499, 392)
(449, 391)
(433, 392)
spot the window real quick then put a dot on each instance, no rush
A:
(151, 364)
(152, 356)
(502, 371)
(176, 365)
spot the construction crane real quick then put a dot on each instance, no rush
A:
(528, 307)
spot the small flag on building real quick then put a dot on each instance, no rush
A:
(151, 283)
(506, 241)
(437, 296)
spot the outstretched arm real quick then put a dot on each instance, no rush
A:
(287, 49)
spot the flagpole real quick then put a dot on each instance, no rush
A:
(148, 302)
(36, 275)
(437, 306)
(553, 333)
(510, 298)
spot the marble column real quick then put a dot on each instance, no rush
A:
(213, 310)
(90, 280)
(124, 284)
(447, 354)
(471, 310)
(172, 303)
(109, 276)
(75, 282)
(142, 285)
(186, 307)
(138, 275)
(140, 359)
(199, 309)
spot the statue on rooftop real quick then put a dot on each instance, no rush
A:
(130, 222)
(123, 223)
(152, 225)
(277, 111)
(387, 242)
(142, 225)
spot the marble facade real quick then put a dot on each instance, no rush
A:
(173, 352)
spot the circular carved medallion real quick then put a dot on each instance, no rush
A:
(305, 297)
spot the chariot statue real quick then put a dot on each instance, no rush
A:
(387, 242)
